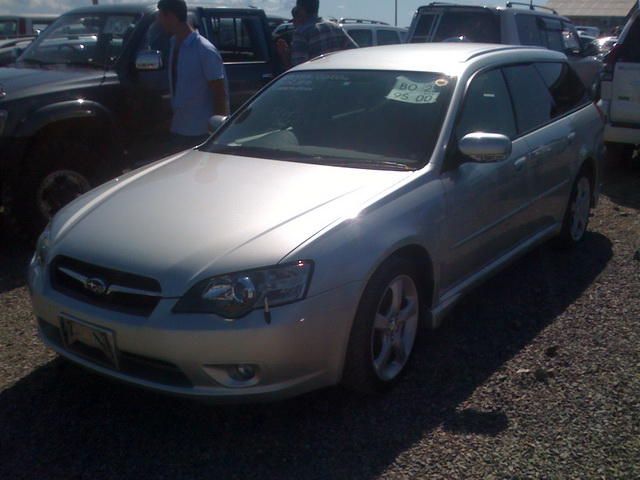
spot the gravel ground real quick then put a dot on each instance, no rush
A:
(536, 374)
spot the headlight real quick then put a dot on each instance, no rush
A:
(3, 120)
(41, 254)
(236, 294)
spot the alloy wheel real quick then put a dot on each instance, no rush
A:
(395, 327)
(580, 209)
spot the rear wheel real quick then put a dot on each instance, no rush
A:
(385, 328)
(576, 218)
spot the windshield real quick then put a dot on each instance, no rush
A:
(8, 28)
(365, 119)
(90, 40)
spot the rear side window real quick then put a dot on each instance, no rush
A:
(565, 86)
(552, 34)
(363, 37)
(531, 98)
(388, 37)
(487, 107)
(529, 30)
(238, 38)
(472, 26)
(424, 24)
(630, 48)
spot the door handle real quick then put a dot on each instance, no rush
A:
(571, 137)
(520, 163)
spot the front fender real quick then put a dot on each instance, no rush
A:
(62, 111)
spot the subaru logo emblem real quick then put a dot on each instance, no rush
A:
(96, 286)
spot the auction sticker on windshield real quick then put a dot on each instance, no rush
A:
(408, 91)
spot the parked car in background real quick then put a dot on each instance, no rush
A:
(285, 32)
(533, 25)
(370, 33)
(12, 26)
(355, 199)
(620, 90)
(605, 44)
(589, 31)
(92, 92)
(11, 49)
(274, 21)
(589, 45)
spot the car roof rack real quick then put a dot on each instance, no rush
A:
(531, 6)
(361, 20)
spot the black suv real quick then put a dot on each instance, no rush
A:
(90, 98)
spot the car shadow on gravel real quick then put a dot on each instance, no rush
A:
(622, 182)
(62, 422)
(14, 257)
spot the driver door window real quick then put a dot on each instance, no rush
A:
(487, 107)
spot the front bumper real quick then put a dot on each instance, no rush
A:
(302, 349)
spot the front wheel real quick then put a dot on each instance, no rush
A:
(576, 218)
(385, 328)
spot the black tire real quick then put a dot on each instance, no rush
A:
(359, 372)
(57, 170)
(574, 226)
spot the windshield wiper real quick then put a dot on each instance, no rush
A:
(386, 164)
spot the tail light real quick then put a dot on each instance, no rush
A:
(610, 61)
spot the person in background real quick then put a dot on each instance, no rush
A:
(196, 76)
(313, 35)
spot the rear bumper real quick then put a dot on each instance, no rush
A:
(302, 349)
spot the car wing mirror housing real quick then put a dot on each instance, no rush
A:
(216, 122)
(485, 147)
(149, 60)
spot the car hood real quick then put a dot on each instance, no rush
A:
(18, 82)
(203, 214)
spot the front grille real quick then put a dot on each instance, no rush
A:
(136, 366)
(123, 292)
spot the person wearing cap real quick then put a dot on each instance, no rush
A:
(196, 77)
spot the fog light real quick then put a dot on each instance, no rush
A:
(243, 373)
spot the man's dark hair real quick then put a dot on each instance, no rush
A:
(177, 7)
(310, 6)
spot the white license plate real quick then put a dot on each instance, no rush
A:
(90, 341)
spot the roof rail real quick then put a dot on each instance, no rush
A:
(531, 6)
(360, 20)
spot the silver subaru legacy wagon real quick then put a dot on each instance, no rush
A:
(355, 199)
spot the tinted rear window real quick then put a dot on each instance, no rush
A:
(388, 37)
(565, 86)
(364, 38)
(631, 46)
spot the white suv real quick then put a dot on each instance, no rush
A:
(621, 90)
(370, 33)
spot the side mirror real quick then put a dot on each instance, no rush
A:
(216, 122)
(485, 147)
(149, 60)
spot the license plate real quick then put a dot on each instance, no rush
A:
(90, 341)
